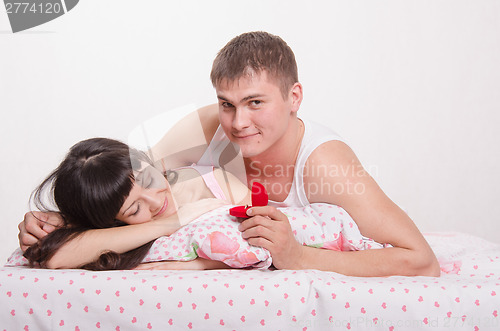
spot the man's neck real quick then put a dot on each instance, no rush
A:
(279, 157)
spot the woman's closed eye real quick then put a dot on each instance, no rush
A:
(137, 210)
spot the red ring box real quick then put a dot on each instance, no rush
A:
(259, 198)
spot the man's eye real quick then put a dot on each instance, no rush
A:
(226, 105)
(255, 102)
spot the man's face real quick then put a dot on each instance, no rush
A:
(253, 114)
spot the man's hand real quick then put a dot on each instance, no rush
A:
(270, 229)
(37, 225)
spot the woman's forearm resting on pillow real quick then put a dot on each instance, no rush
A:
(89, 245)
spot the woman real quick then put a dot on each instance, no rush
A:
(103, 184)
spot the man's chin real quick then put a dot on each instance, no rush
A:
(249, 148)
(250, 152)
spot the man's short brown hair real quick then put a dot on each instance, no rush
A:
(253, 52)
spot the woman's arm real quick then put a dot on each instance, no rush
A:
(196, 264)
(88, 246)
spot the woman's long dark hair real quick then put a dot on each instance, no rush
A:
(88, 189)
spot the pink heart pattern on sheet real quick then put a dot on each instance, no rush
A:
(241, 299)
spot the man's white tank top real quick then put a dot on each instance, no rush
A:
(314, 135)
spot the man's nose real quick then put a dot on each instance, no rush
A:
(241, 119)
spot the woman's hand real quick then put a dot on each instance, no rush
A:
(269, 228)
(196, 264)
(37, 225)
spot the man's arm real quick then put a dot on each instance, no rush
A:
(179, 147)
(377, 217)
(188, 139)
(36, 225)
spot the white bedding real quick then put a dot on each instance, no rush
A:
(467, 298)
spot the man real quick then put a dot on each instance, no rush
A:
(255, 78)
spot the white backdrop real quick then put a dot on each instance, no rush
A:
(410, 84)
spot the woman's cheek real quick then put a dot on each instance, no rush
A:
(145, 218)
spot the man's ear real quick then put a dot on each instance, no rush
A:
(296, 96)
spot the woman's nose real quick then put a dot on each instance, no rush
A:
(154, 199)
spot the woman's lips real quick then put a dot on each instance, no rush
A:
(163, 208)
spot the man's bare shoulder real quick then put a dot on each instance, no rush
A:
(331, 153)
(331, 171)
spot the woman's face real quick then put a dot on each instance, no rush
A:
(149, 199)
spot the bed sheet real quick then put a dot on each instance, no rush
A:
(465, 297)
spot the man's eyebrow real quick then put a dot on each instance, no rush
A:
(253, 96)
